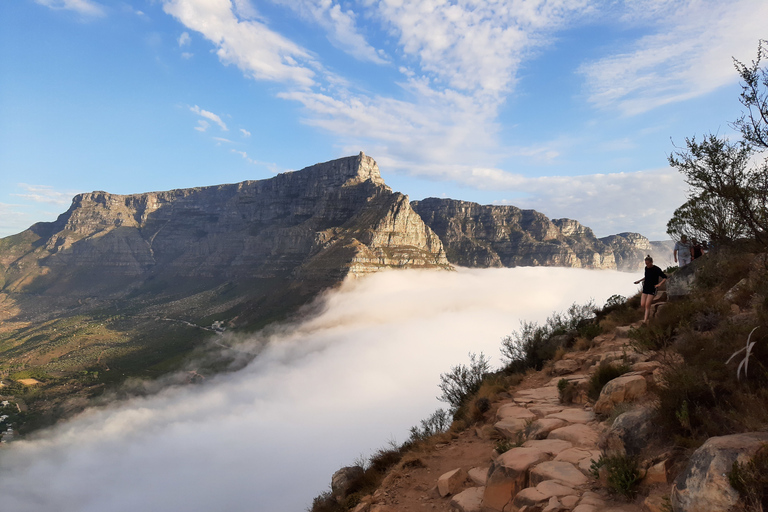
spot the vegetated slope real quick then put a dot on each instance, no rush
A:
(483, 236)
(127, 285)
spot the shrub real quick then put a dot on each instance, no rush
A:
(651, 337)
(437, 423)
(566, 391)
(462, 381)
(605, 373)
(622, 473)
(751, 480)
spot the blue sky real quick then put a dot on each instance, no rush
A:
(566, 106)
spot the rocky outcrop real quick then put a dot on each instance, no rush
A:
(505, 236)
(704, 483)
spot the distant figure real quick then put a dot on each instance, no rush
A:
(704, 246)
(682, 252)
(696, 249)
(650, 284)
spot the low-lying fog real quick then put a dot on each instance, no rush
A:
(323, 393)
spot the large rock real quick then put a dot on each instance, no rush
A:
(508, 475)
(626, 388)
(562, 472)
(704, 483)
(506, 236)
(578, 434)
(344, 480)
(629, 433)
(451, 482)
(469, 500)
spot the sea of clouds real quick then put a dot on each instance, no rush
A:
(322, 392)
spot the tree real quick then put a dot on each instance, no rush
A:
(729, 183)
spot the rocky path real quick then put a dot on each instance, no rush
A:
(549, 468)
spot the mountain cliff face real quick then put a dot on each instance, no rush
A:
(505, 236)
(630, 250)
(320, 224)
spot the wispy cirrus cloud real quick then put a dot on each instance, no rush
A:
(210, 116)
(44, 194)
(85, 7)
(688, 55)
(339, 24)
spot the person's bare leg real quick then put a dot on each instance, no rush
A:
(645, 302)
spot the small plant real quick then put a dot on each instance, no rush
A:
(622, 473)
(750, 480)
(437, 423)
(615, 301)
(504, 445)
(744, 362)
(605, 373)
(463, 381)
(651, 337)
(566, 391)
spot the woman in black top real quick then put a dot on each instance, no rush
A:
(650, 284)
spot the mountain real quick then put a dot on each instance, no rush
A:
(630, 250)
(124, 286)
(505, 236)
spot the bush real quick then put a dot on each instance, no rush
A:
(533, 345)
(437, 423)
(566, 391)
(622, 473)
(605, 373)
(463, 381)
(751, 481)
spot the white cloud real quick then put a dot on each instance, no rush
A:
(249, 44)
(209, 115)
(202, 125)
(222, 139)
(320, 393)
(340, 25)
(184, 39)
(187, 55)
(245, 132)
(642, 202)
(85, 7)
(45, 194)
(689, 54)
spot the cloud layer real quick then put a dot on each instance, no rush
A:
(320, 394)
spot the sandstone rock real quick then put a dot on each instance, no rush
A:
(479, 476)
(732, 294)
(343, 479)
(565, 366)
(554, 505)
(629, 433)
(540, 429)
(545, 410)
(704, 483)
(469, 500)
(508, 475)
(574, 415)
(569, 502)
(562, 472)
(579, 434)
(531, 498)
(451, 482)
(548, 394)
(630, 250)
(550, 446)
(507, 411)
(656, 474)
(579, 457)
(619, 390)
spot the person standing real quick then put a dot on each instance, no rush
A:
(696, 249)
(651, 283)
(682, 252)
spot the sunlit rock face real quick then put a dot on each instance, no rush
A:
(505, 236)
(630, 250)
(307, 229)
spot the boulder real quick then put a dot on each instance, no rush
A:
(574, 415)
(469, 500)
(451, 482)
(479, 476)
(626, 388)
(540, 429)
(656, 474)
(564, 473)
(512, 419)
(565, 366)
(579, 457)
(629, 433)
(579, 435)
(508, 475)
(550, 446)
(704, 483)
(343, 480)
